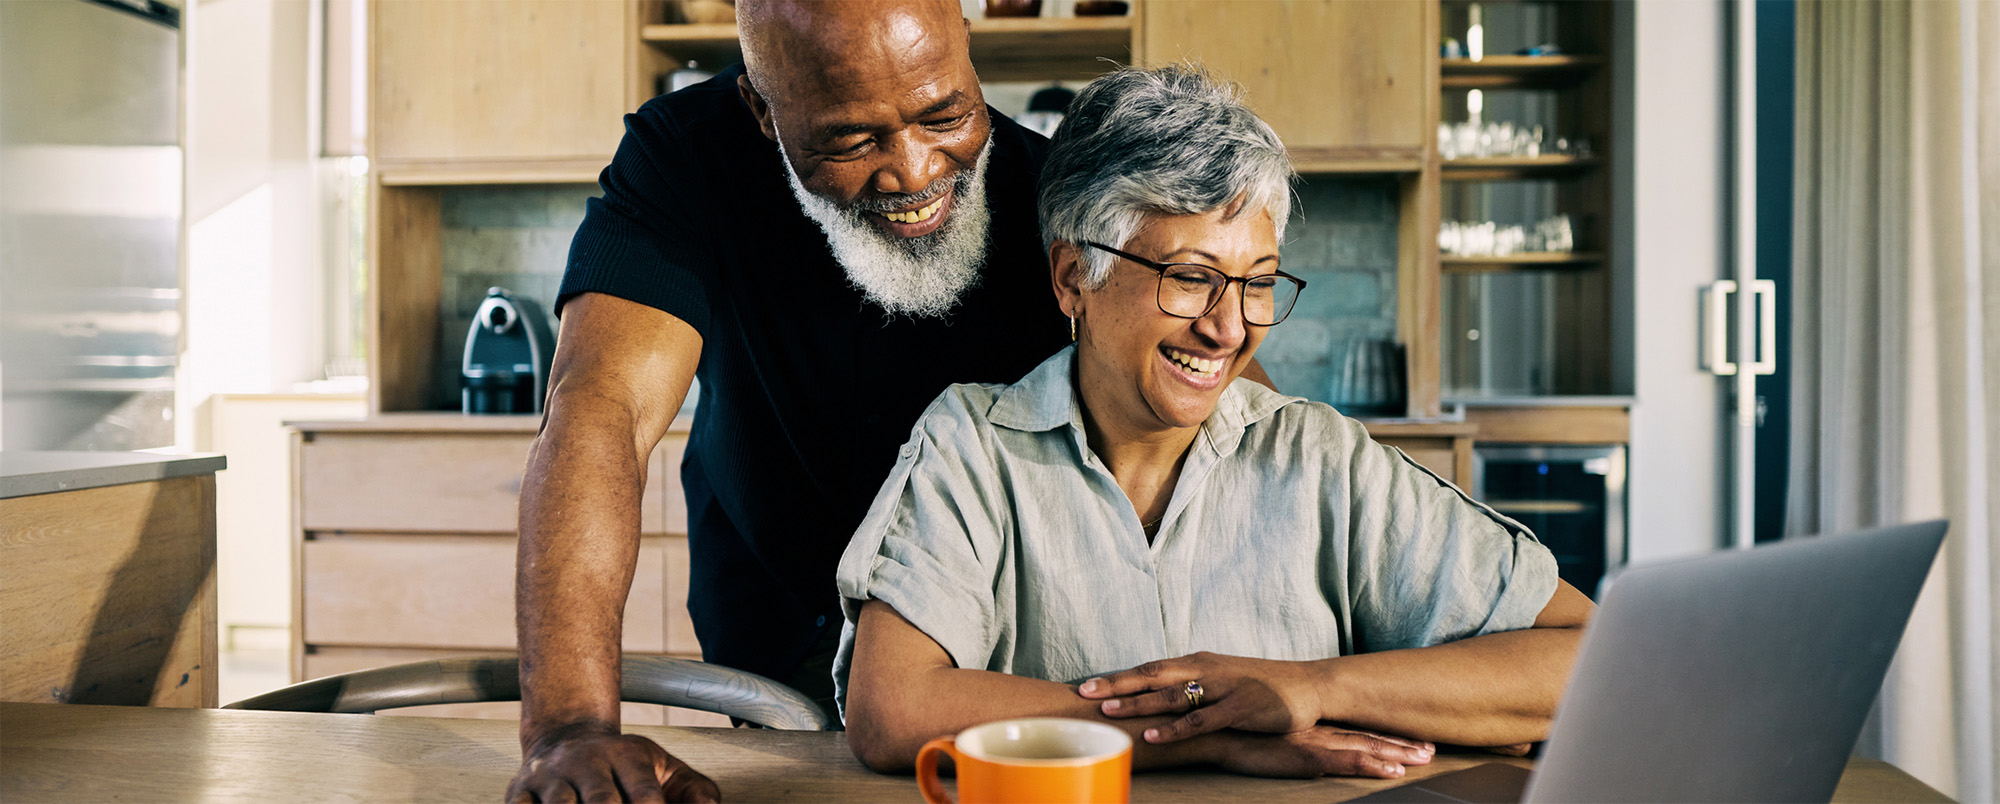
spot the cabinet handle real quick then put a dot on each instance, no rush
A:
(1715, 328)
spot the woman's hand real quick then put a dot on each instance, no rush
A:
(1236, 693)
(1318, 751)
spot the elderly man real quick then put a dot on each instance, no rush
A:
(827, 238)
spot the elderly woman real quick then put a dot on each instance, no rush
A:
(1131, 501)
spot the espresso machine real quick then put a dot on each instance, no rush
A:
(507, 354)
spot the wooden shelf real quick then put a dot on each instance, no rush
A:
(1606, 424)
(1516, 72)
(1502, 168)
(1356, 160)
(1520, 262)
(1029, 49)
(1072, 48)
(451, 173)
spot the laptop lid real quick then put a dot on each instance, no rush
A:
(1739, 676)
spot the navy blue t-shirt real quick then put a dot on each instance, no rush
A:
(807, 389)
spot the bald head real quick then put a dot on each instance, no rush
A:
(792, 46)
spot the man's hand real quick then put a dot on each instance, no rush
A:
(1319, 751)
(1236, 693)
(602, 765)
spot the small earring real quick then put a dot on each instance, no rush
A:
(1072, 329)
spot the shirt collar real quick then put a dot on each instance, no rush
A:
(1046, 399)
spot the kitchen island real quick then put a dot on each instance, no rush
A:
(107, 578)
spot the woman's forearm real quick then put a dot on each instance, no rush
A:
(889, 719)
(1497, 689)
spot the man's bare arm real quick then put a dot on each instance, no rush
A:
(620, 372)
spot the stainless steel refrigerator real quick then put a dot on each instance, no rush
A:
(90, 223)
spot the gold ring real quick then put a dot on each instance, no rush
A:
(1193, 692)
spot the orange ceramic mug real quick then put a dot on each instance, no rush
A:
(1045, 759)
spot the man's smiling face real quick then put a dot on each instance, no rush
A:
(880, 119)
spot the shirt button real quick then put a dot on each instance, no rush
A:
(821, 621)
(908, 450)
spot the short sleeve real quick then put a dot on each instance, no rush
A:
(929, 543)
(1428, 564)
(640, 240)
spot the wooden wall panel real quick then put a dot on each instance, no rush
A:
(406, 268)
(107, 595)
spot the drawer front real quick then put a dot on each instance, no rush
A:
(444, 592)
(1435, 454)
(438, 483)
(328, 661)
(680, 627)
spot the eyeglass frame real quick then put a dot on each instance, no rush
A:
(1242, 297)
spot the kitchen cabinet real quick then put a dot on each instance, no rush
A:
(405, 541)
(1531, 320)
(107, 578)
(466, 86)
(1343, 82)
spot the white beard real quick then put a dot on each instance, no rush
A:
(915, 276)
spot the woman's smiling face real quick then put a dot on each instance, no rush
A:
(1142, 369)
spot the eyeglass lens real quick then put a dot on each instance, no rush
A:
(1191, 291)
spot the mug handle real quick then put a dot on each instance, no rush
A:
(927, 769)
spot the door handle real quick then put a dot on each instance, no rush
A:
(1715, 328)
(1766, 292)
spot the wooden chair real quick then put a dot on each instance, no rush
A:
(647, 679)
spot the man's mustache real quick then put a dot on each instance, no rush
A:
(892, 202)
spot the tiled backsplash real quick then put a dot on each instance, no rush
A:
(515, 237)
(1342, 242)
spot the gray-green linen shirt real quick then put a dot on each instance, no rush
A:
(1290, 535)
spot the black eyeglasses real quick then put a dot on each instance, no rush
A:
(1191, 290)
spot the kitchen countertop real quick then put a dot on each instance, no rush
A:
(430, 422)
(26, 473)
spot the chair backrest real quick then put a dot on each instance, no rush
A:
(647, 679)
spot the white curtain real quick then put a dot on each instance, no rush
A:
(1896, 387)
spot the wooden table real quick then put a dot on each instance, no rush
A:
(75, 753)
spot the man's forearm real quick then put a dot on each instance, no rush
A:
(1497, 689)
(579, 542)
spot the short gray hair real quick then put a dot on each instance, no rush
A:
(1172, 140)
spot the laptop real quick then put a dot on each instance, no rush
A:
(1739, 676)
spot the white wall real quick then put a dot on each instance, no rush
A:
(254, 312)
(1678, 214)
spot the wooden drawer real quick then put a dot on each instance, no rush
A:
(328, 661)
(442, 483)
(680, 627)
(1440, 459)
(443, 592)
